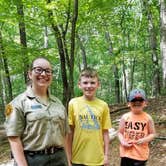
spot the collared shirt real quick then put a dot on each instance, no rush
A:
(38, 125)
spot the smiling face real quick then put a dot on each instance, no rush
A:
(88, 85)
(137, 106)
(41, 73)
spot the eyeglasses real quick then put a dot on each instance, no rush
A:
(39, 70)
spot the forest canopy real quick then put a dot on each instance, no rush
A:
(124, 40)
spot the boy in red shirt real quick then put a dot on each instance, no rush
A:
(136, 130)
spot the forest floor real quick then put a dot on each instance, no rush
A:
(156, 108)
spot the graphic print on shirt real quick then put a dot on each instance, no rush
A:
(88, 119)
(135, 130)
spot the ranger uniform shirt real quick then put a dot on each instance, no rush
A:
(38, 125)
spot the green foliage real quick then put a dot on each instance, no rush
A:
(124, 21)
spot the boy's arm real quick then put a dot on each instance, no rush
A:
(69, 143)
(66, 146)
(151, 135)
(106, 146)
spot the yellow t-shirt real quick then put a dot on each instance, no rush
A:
(89, 119)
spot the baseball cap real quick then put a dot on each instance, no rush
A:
(137, 94)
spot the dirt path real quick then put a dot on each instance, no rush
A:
(157, 108)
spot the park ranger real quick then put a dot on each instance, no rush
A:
(36, 122)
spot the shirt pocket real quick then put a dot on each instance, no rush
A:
(59, 123)
(37, 123)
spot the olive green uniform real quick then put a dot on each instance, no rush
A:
(40, 126)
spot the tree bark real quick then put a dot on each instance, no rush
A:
(153, 45)
(83, 51)
(23, 40)
(67, 60)
(6, 69)
(45, 37)
(72, 47)
(163, 39)
(115, 69)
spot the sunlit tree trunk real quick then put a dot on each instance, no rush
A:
(83, 52)
(45, 37)
(163, 38)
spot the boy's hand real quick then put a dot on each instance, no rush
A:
(126, 144)
(106, 161)
(140, 141)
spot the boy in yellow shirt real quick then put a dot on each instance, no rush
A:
(89, 120)
(136, 130)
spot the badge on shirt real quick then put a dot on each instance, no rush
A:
(8, 109)
(36, 106)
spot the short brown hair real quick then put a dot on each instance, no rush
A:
(88, 72)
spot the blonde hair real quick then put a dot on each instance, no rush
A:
(88, 72)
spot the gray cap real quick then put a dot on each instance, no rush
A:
(137, 93)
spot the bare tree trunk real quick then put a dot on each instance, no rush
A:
(114, 68)
(45, 37)
(67, 61)
(163, 39)
(23, 40)
(132, 73)
(153, 45)
(72, 47)
(125, 79)
(66, 88)
(117, 83)
(84, 59)
(6, 69)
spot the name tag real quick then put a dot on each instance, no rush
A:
(36, 106)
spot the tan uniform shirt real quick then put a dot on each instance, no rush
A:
(38, 125)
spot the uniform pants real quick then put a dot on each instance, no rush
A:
(56, 159)
(131, 162)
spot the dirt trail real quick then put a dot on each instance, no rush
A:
(156, 108)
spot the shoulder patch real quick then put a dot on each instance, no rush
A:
(8, 109)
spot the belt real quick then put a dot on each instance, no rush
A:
(50, 150)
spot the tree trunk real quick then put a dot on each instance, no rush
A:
(45, 37)
(153, 45)
(132, 73)
(6, 69)
(72, 47)
(23, 40)
(114, 68)
(66, 88)
(65, 59)
(125, 79)
(163, 39)
(62, 49)
(84, 59)
(117, 83)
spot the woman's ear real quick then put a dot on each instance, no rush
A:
(30, 75)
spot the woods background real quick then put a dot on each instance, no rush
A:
(125, 40)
